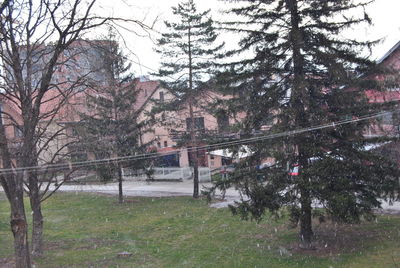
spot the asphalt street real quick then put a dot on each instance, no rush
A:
(166, 189)
(185, 188)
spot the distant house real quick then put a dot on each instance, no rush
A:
(390, 123)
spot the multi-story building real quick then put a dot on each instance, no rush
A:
(78, 68)
(171, 131)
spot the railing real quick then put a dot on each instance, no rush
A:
(216, 134)
(204, 174)
(169, 174)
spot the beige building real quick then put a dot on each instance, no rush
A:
(173, 126)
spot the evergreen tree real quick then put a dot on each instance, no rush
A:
(302, 73)
(111, 127)
(188, 52)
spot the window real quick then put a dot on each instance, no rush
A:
(18, 133)
(159, 144)
(74, 132)
(77, 153)
(165, 144)
(269, 120)
(161, 96)
(387, 119)
(198, 123)
(222, 121)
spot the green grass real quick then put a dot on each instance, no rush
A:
(87, 230)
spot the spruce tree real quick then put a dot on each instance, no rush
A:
(111, 127)
(188, 52)
(302, 73)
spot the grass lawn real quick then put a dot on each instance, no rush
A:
(88, 230)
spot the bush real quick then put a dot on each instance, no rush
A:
(106, 173)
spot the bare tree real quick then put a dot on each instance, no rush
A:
(36, 41)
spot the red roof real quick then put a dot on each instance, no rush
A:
(375, 96)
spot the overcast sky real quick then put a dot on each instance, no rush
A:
(384, 13)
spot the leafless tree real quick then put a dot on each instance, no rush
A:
(37, 38)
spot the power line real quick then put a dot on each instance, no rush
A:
(191, 149)
(221, 145)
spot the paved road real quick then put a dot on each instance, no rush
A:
(165, 189)
(153, 189)
(143, 188)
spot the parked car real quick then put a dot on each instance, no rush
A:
(294, 170)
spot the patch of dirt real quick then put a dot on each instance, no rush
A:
(7, 263)
(331, 240)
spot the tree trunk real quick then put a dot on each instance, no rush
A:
(19, 228)
(195, 162)
(306, 233)
(300, 100)
(13, 187)
(193, 139)
(37, 221)
(120, 193)
(195, 177)
(30, 159)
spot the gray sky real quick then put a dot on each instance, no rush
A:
(384, 14)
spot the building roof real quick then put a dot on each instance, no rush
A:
(146, 90)
(390, 52)
(391, 59)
